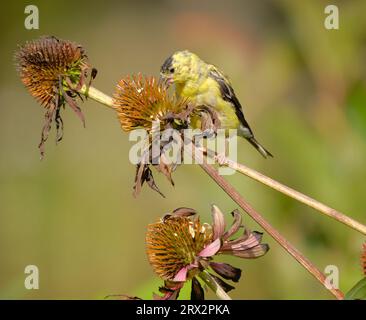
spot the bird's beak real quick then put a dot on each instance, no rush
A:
(167, 80)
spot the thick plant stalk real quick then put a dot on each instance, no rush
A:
(213, 285)
(96, 95)
(322, 208)
(235, 195)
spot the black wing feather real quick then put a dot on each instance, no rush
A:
(228, 94)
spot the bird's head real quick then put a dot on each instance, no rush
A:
(180, 67)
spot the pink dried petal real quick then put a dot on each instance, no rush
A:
(181, 276)
(246, 241)
(235, 226)
(218, 222)
(255, 252)
(211, 249)
(253, 240)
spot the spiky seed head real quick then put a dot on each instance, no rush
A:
(174, 243)
(141, 100)
(53, 70)
(45, 64)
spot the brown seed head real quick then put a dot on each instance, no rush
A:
(53, 71)
(174, 243)
(45, 64)
(141, 100)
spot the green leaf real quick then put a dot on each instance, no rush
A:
(358, 292)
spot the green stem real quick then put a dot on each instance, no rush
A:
(97, 96)
(213, 285)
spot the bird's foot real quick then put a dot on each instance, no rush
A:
(221, 159)
(207, 133)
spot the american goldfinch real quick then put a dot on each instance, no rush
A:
(205, 85)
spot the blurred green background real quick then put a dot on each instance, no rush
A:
(304, 92)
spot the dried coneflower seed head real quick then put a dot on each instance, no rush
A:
(141, 100)
(174, 243)
(53, 70)
(44, 62)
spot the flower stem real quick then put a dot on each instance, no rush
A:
(97, 95)
(322, 208)
(213, 285)
(281, 240)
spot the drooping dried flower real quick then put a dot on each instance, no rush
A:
(53, 70)
(144, 103)
(179, 248)
(139, 101)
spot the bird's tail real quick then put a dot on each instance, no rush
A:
(263, 151)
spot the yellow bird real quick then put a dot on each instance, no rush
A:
(205, 85)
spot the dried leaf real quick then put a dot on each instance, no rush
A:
(184, 212)
(144, 174)
(48, 117)
(226, 271)
(197, 292)
(73, 105)
(164, 168)
(59, 125)
(225, 286)
(138, 179)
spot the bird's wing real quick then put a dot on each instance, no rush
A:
(228, 94)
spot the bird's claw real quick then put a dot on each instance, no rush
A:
(220, 158)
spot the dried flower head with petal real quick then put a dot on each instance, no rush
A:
(174, 243)
(144, 103)
(181, 248)
(53, 70)
(139, 101)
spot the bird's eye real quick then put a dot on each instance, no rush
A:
(171, 70)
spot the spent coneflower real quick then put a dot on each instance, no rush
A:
(144, 103)
(139, 101)
(53, 71)
(181, 248)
